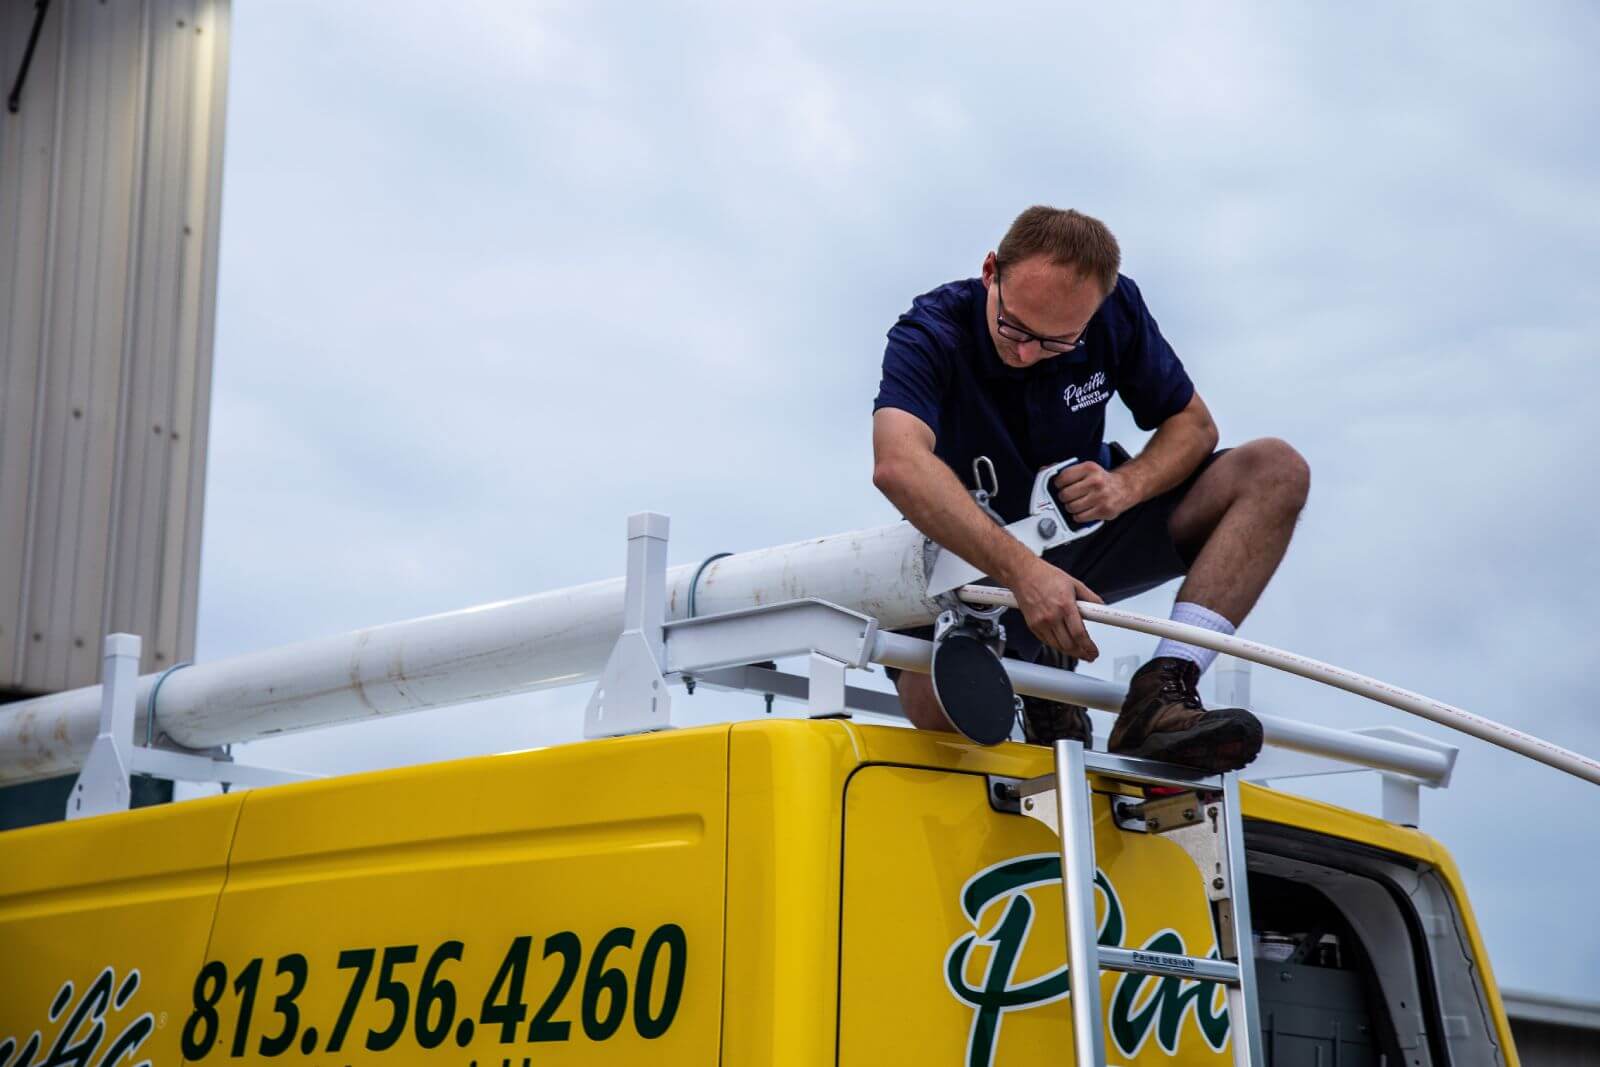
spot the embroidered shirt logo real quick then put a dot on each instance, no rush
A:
(1087, 394)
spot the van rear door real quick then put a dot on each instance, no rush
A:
(952, 932)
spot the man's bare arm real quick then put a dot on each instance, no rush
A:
(928, 493)
(1089, 492)
(1173, 452)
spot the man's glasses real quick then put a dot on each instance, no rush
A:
(1012, 332)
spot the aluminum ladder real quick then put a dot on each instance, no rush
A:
(1204, 819)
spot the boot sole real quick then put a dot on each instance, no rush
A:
(1214, 747)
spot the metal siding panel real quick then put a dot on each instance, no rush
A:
(72, 340)
(139, 352)
(11, 375)
(180, 350)
(156, 362)
(116, 103)
(81, 275)
(144, 273)
(25, 162)
(219, 24)
(184, 465)
(109, 309)
(134, 194)
(51, 486)
(129, 558)
(49, 446)
(81, 517)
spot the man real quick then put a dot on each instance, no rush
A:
(1018, 366)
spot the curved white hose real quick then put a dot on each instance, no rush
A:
(1445, 714)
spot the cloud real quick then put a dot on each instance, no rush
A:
(493, 278)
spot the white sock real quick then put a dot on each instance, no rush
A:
(1194, 615)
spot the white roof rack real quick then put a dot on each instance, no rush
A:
(832, 599)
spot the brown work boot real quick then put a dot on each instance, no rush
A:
(1163, 719)
(1044, 722)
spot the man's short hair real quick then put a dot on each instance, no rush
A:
(1068, 238)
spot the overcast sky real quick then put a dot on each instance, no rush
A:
(494, 275)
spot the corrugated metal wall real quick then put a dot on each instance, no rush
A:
(1552, 1030)
(110, 199)
(1542, 1044)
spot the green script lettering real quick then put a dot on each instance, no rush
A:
(999, 991)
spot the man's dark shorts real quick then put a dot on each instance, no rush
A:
(1129, 555)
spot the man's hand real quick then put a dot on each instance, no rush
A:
(1089, 493)
(928, 493)
(1048, 598)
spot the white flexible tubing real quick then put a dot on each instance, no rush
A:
(1445, 714)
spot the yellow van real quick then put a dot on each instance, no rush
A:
(766, 892)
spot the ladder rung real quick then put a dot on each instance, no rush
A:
(1131, 769)
(1149, 772)
(1137, 962)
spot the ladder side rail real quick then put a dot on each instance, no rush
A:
(1063, 802)
(1075, 820)
(1244, 1006)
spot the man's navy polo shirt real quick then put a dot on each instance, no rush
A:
(941, 366)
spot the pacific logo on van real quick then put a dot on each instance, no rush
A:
(1133, 1018)
(81, 1029)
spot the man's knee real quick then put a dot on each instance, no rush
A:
(921, 707)
(1276, 469)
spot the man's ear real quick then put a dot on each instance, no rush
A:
(989, 268)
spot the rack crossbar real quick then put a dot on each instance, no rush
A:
(1431, 765)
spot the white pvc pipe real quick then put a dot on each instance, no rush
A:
(536, 642)
(1444, 714)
